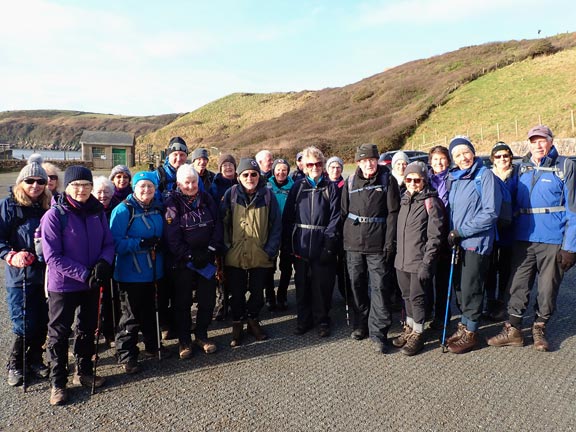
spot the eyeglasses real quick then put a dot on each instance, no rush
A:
(53, 177)
(505, 156)
(250, 174)
(31, 181)
(314, 164)
(415, 180)
(80, 185)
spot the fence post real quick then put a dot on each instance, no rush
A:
(516, 122)
(498, 131)
(572, 119)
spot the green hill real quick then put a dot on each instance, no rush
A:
(505, 104)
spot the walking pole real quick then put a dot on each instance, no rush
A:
(153, 256)
(346, 293)
(97, 337)
(24, 283)
(453, 262)
(113, 300)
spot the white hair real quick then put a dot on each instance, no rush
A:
(186, 171)
(103, 181)
(262, 154)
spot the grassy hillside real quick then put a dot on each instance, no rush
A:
(53, 129)
(385, 108)
(505, 104)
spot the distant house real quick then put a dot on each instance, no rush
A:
(108, 149)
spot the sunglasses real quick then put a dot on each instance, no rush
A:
(31, 181)
(415, 180)
(505, 156)
(249, 174)
(53, 177)
(314, 164)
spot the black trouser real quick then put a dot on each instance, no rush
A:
(469, 286)
(242, 281)
(137, 302)
(414, 295)
(370, 291)
(110, 310)
(440, 287)
(61, 313)
(186, 282)
(498, 275)
(314, 285)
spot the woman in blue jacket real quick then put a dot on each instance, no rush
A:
(473, 215)
(136, 226)
(20, 215)
(78, 249)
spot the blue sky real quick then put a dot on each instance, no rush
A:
(150, 57)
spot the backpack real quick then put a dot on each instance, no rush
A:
(505, 212)
(62, 217)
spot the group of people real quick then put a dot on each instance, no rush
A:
(129, 254)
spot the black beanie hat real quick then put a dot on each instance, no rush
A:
(177, 144)
(247, 164)
(77, 172)
(366, 151)
(280, 161)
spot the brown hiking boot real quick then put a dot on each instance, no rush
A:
(206, 345)
(457, 334)
(58, 396)
(86, 380)
(255, 329)
(467, 342)
(237, 328)
(414, 344)
(540, 342)
(185, 351)
(509, 336)
(401, 339)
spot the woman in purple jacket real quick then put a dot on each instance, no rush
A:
(78, 248)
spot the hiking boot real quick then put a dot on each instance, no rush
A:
(39, 370)
(359, 334)
(300, 330)
(58, 396)
(414, 344)
(540, 342)
(15, 377)
(324, 330)
(131, 367)
(237, 328)
(509, 336)
(185, 351)
(206, 345)
(168, 335)
(401, 339)
(149, 354)
(457, 334)
(255, 329)
(86, 380)
(467, 342)
(378, 345)
(282, 305)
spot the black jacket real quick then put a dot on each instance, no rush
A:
(422, 228)
(369, 212)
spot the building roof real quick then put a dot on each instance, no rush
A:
(107, 138)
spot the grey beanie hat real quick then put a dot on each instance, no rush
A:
(335, 159)
(366, 151)
(200, 153)
(417, 167)
(32, 169)
(247, 164)
(400, 155)
(120, 169)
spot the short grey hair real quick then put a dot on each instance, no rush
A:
(103, 181)
(262, 154)
(186, 171)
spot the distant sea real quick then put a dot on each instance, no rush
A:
(47, 154)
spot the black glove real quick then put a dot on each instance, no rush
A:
(149, 243)
(565, 259)
(454, 238)
(92, 281)
(102, 271)
(424, 274)
(389, 252)
(201, 258)
(328, 253)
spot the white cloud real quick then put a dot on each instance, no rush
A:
(431, 11)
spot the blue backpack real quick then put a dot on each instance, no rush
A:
(505, 213)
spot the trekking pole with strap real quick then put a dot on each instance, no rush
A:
(346, 293)
(156, 307)
(24, 283)
(453, 262)
(97, 337)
